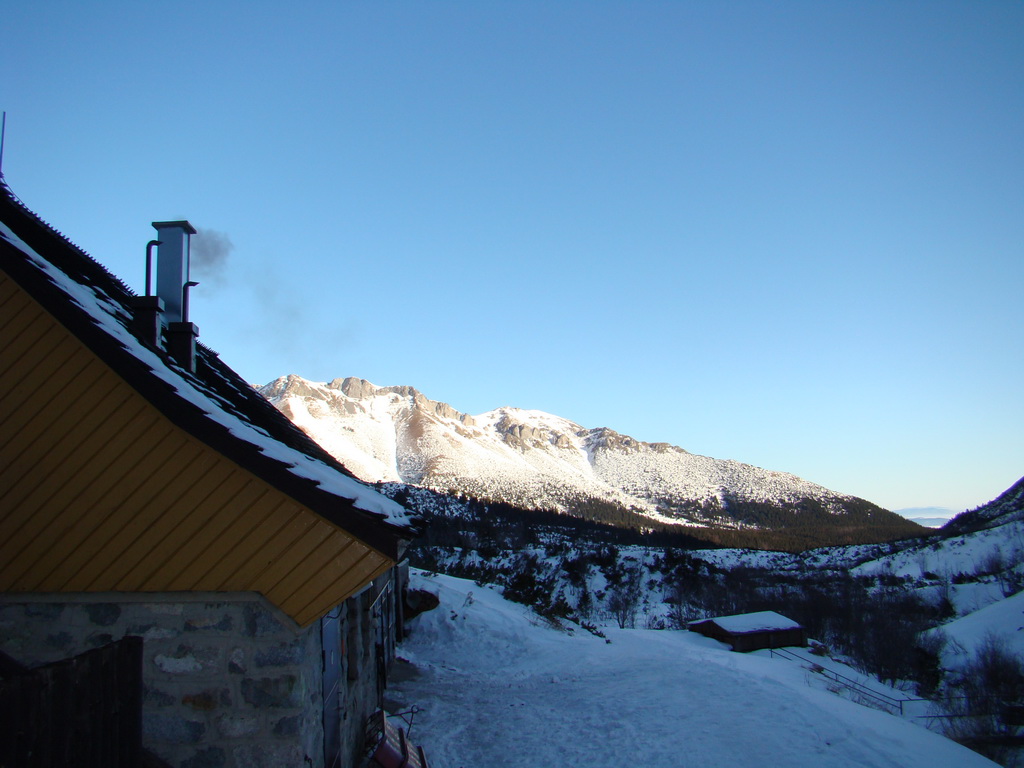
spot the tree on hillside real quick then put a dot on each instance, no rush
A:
(624, 598)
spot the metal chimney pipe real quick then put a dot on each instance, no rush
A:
(149, 265)
(184, 299)
(172, 265)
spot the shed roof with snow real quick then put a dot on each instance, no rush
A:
(752, 631)
(125, 469)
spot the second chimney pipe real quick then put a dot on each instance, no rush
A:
(149, 265)
(184, 299)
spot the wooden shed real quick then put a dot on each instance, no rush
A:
(752, 631)
(146, 489)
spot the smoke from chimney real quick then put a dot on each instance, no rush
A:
(211, 250)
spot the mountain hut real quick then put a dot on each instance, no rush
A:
(223, 590)
(752, 631)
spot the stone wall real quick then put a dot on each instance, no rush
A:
(361, 691)
(230, 682)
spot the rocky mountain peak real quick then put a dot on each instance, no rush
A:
(519, 435)
(536, 459)
(353, 387)
(443, 410)
(402, 390)
(289, 386)
(610, 440)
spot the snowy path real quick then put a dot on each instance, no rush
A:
(498, 689)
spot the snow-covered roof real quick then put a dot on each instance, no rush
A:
(214, 403)
(744, 623)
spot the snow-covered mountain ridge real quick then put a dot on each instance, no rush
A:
(1006, 508)
(538, 460)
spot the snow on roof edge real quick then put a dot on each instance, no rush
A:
(744, 623)
(109, 316)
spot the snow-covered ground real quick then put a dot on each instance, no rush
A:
(497, 686)
(1003, 620)
(959, 554)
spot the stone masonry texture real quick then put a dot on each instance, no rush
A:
(228, 684)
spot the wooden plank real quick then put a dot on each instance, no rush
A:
(210, 493)
(131, 516)
(364, 570)
(43, 346)
(263, 547)
(33, 371)
(183, 533)
(87, 504)
(328, 582)
(270, 562)
(91, 451)
(208, 543)
(13, 302)
(293, 557)
(31, 487)
(83, 711)
(85, 497)
(111, 456)
(60, 451)
(36, 364)
(18, 314)
(335, 554)
(245, 532)
(146, 524)
(366, 566)
(287, 523)
(40, 416)
(105, 394)
(26, 336)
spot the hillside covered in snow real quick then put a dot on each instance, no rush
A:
(497, 685)
(939, 619)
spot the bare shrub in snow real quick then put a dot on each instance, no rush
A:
(624, 598)
(986, 699)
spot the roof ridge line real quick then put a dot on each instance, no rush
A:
(13, 197)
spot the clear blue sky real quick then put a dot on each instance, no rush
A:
(787, 233)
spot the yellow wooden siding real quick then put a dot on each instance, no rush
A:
(247, 533)
(320, 558)
(99, 491)
(365, 570)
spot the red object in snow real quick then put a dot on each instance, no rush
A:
(388, 745)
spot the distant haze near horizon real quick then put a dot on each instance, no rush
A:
(943, 512)
(930, 517)
(785, 233)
